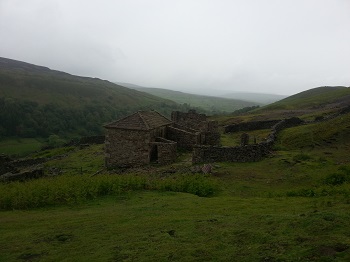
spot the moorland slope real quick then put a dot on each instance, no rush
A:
(315, 103)
(38, 101)
(211, 104)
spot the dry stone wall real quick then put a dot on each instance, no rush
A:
(6, 165)
(248, 126)
(29, 162)
(247, 153)
(210, 138)
(24, 175)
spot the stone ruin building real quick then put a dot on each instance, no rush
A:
(147, 136)
(207, 131)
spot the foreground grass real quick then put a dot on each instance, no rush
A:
(294, 206)
(153, 226)
(70, 190)
(257, 216)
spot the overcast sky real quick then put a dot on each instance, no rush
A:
(271, 46)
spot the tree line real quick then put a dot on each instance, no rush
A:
(23, 118)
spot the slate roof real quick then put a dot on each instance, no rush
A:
(141, 120)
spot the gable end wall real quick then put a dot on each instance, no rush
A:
(127, 148)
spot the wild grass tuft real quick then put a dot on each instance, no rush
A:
(339, 178)
(67, 190)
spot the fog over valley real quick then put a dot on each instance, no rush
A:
(207, 47)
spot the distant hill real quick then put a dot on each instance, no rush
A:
(320, 97)
(38, 101)
(319, 102)
(208, 103)
(259, 98)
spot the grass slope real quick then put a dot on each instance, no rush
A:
(42, 85)
(290, 207)
(322, 134)
(316, 97)
(208, 103)
(37, 101)
(320, 102)
(260, 98)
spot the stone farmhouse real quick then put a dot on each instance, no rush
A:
(147, 136)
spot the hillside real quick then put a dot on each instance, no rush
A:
(208, 103)
(315, 103)
(38, 101)
(260, 98)
(316, 98)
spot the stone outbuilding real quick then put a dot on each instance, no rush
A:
(139, 139)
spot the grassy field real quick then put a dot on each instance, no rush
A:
(149, 226)
(292, 206)
(279, 209)
(20, 146)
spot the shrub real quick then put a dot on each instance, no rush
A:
(335, 179)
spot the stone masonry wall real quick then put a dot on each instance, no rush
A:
(190, 119)
(206, 132)
(127, 148)
(248, 153)
(248, 126)
(185, 128)
(166, 150)
(210, 138)
(184, 139)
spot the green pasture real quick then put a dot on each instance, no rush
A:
(20, 146)
(280, 209)
(152, 226)
(292, 206)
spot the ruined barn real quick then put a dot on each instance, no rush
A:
(149, 137)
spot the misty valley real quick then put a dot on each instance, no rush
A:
(92, 170)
